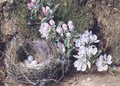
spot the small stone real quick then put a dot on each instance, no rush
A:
(72, 81)
(104, 85)
(89, 79)
(116, 9)
(109, 5)
(83, 80)
(75, 83)
(109, 81)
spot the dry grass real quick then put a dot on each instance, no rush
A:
(50, 69)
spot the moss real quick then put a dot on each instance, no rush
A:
(71, 10)
(68, 10)
(22, 14)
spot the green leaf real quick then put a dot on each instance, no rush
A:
(67, 43)
(112, 67)
(55, 8)
(60, 23)
(46, 19)
(95, 56)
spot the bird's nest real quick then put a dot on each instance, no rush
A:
(51, 67)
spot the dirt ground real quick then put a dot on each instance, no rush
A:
(92, 79)
(110, 78)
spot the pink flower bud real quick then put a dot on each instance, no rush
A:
(59, 30)
(44, 11)
(52, 22)
(64, 26)
(70, 23)
(47, 8)
(30, 5)
(71, 28)
(68, 34)
(33, 1)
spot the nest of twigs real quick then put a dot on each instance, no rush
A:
(52, 66)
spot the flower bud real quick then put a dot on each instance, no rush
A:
(64, 26)
(43, 9)
(59, 30)
(52, 22)
(45, 12)
(71, 28)
(68, 34)
(47, 8)
(30, 5)
(70, 23)
(33, 1)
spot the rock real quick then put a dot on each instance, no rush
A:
(103, 85)
(89, 79)
(72, 81)
(75, 83)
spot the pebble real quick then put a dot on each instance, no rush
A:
(72, 81)
(75, 83)
(89, 79)
(104, 85)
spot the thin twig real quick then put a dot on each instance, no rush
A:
(19, 70)
(17, 78)
(62, 74)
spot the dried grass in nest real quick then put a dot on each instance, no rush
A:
(51, 68)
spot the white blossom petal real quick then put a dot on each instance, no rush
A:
(83, 67)
(94, 37)
(98, 63)
(100, 68)
(94, 51)
(89, 64)
(77, 43)
(105, 68)
(78, 64)
(61, 47)
(101, 58)
(109, 58)
(105, 57)
(96, 41)
(76, 56)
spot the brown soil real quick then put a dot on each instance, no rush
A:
(92, 79)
